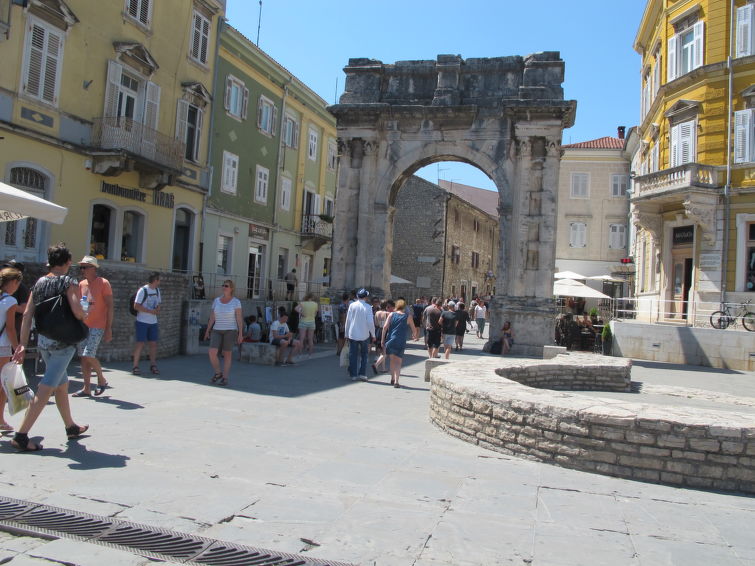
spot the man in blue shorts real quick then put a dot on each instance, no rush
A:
(147, 305)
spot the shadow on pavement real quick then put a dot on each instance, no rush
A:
(680, 367)
(83, 459)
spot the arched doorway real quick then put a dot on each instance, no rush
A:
(505, 116)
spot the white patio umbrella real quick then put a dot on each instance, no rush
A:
(16, 204)
(399, 280)
(568, 275)
(606, 278)
(571, 288)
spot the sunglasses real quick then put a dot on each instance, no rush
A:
(86, 266)
(226, 285)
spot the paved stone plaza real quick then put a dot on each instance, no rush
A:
(295, 457)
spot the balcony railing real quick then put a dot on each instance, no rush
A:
(314, 225)
(681, 177)
(136, 138)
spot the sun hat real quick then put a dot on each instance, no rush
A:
(89, 260)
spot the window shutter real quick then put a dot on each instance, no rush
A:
(686, 142)
(674, 150)
(698, 46)
(657, 75)
(244, 103)
(182, 112)
(44, 48)
(228, 91)
(296, 134)
(152, 105)
(671, 59)
(35, 48)
(742, 136)
(654, 158)
(744, 30)
(52, 66)
(316, 205)
(205, 39)
(200, 119)
(114, 71)
(259, 112)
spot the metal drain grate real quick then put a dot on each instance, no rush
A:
(26, 517)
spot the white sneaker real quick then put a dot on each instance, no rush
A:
(362, 378)
(353, 379)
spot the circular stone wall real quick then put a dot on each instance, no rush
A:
(484, 403)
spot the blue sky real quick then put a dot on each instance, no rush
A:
(314, 40)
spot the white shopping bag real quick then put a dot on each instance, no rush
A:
(344, 361)
(16, 389)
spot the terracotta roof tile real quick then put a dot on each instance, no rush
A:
(600, 143)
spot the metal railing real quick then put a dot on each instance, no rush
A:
(138, 139)
(208, 285)
(687, 175)
(683, 313)
(314, 225)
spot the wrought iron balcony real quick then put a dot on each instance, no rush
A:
(669, 181)
(124, 134)
(315, 231)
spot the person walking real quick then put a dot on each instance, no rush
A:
(227, 331)
(433, 327)
(360, 331)
(291, 282)
(307, 313)
(386, 307)
(462, 318)
(147, 305)
(448, 327)
(99, 300)
(479, 314)
(21, 295)
(10, 279)
(395, 331)
(56, 355)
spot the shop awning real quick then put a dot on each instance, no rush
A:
(16, 204)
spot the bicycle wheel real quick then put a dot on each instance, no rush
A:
(748, 321)
(719, 319)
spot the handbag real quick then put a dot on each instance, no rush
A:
(54, 319)
(16, 389)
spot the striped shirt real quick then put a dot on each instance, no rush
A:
(225, 314)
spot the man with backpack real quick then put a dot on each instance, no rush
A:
(146, 304)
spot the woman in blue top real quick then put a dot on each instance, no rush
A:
(394, 338)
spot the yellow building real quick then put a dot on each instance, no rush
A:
(693, 190)
(105, 109)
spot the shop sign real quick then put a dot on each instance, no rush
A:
(259, 232)
(683, 235)
(159, 198)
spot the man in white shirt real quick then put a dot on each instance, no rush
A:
(281, 336)
(360, 331)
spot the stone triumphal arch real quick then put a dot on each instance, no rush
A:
(504, 115)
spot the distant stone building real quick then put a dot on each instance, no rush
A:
(445, 240)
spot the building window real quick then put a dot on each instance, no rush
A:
(332, 156)
(617, 236)
(223, 262)
(236, 97)
(657, 72)
(282, 263)
(260, 188)
(330, 207)
(43, 59)
(132, 236)
(745, 29)
(267, 114)
(455, 254)
(685, 51)
(230, 172)
(312, 150)
(475, 260)
(619, 185)
(23, 235)
(140, 10)
(476, 224)
(291, 132)
(683, 143)
(102, 231)
(182, 239)
(285, 202)
(750, 258)
(189, 128)
(580, 185)
(577, 235)
(743, 135)
(128, 95)
(200, 38)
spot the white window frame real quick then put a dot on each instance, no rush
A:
(742, 222)
(314, 137)
(291, 132)
(692, 51)
(267, 115)
(577, 234)
(261, 182)
(332, 156)
(654, 156)
(236, 106)
(228, 269)
(683, 143)
(199, 44)
(37, 58)
(619, 185)
(286, 190)
(230, 176)
(744, 141)
(329, 207)
(657, 72)
(617, 236)
(580, 185)
(139, 9)
(745, 31)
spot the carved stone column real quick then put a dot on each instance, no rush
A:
(701, 209)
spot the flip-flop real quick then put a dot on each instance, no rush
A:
(216, 378)
(136, 371)
(82, 393)
(100, 389)
(154, 370)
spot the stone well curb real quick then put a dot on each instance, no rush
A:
(661, 444)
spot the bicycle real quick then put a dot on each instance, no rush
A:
(722, 319)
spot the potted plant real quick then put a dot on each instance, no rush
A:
(594, 315)
(606, 339)
(326, 218)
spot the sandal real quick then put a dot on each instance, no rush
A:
(21, 443)
(101, 389)
(82, 393)
(223, 382)
(154, 370)
(136, 371)
(74, 431)
(5, 427)
(217, 377)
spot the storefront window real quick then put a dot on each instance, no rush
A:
(131, 240)
(182, 239)
(101, 233)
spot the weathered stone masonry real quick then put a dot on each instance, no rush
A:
(705, 449)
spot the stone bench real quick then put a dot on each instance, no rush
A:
(262, 353)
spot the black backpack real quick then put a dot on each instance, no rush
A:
(132, 299)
